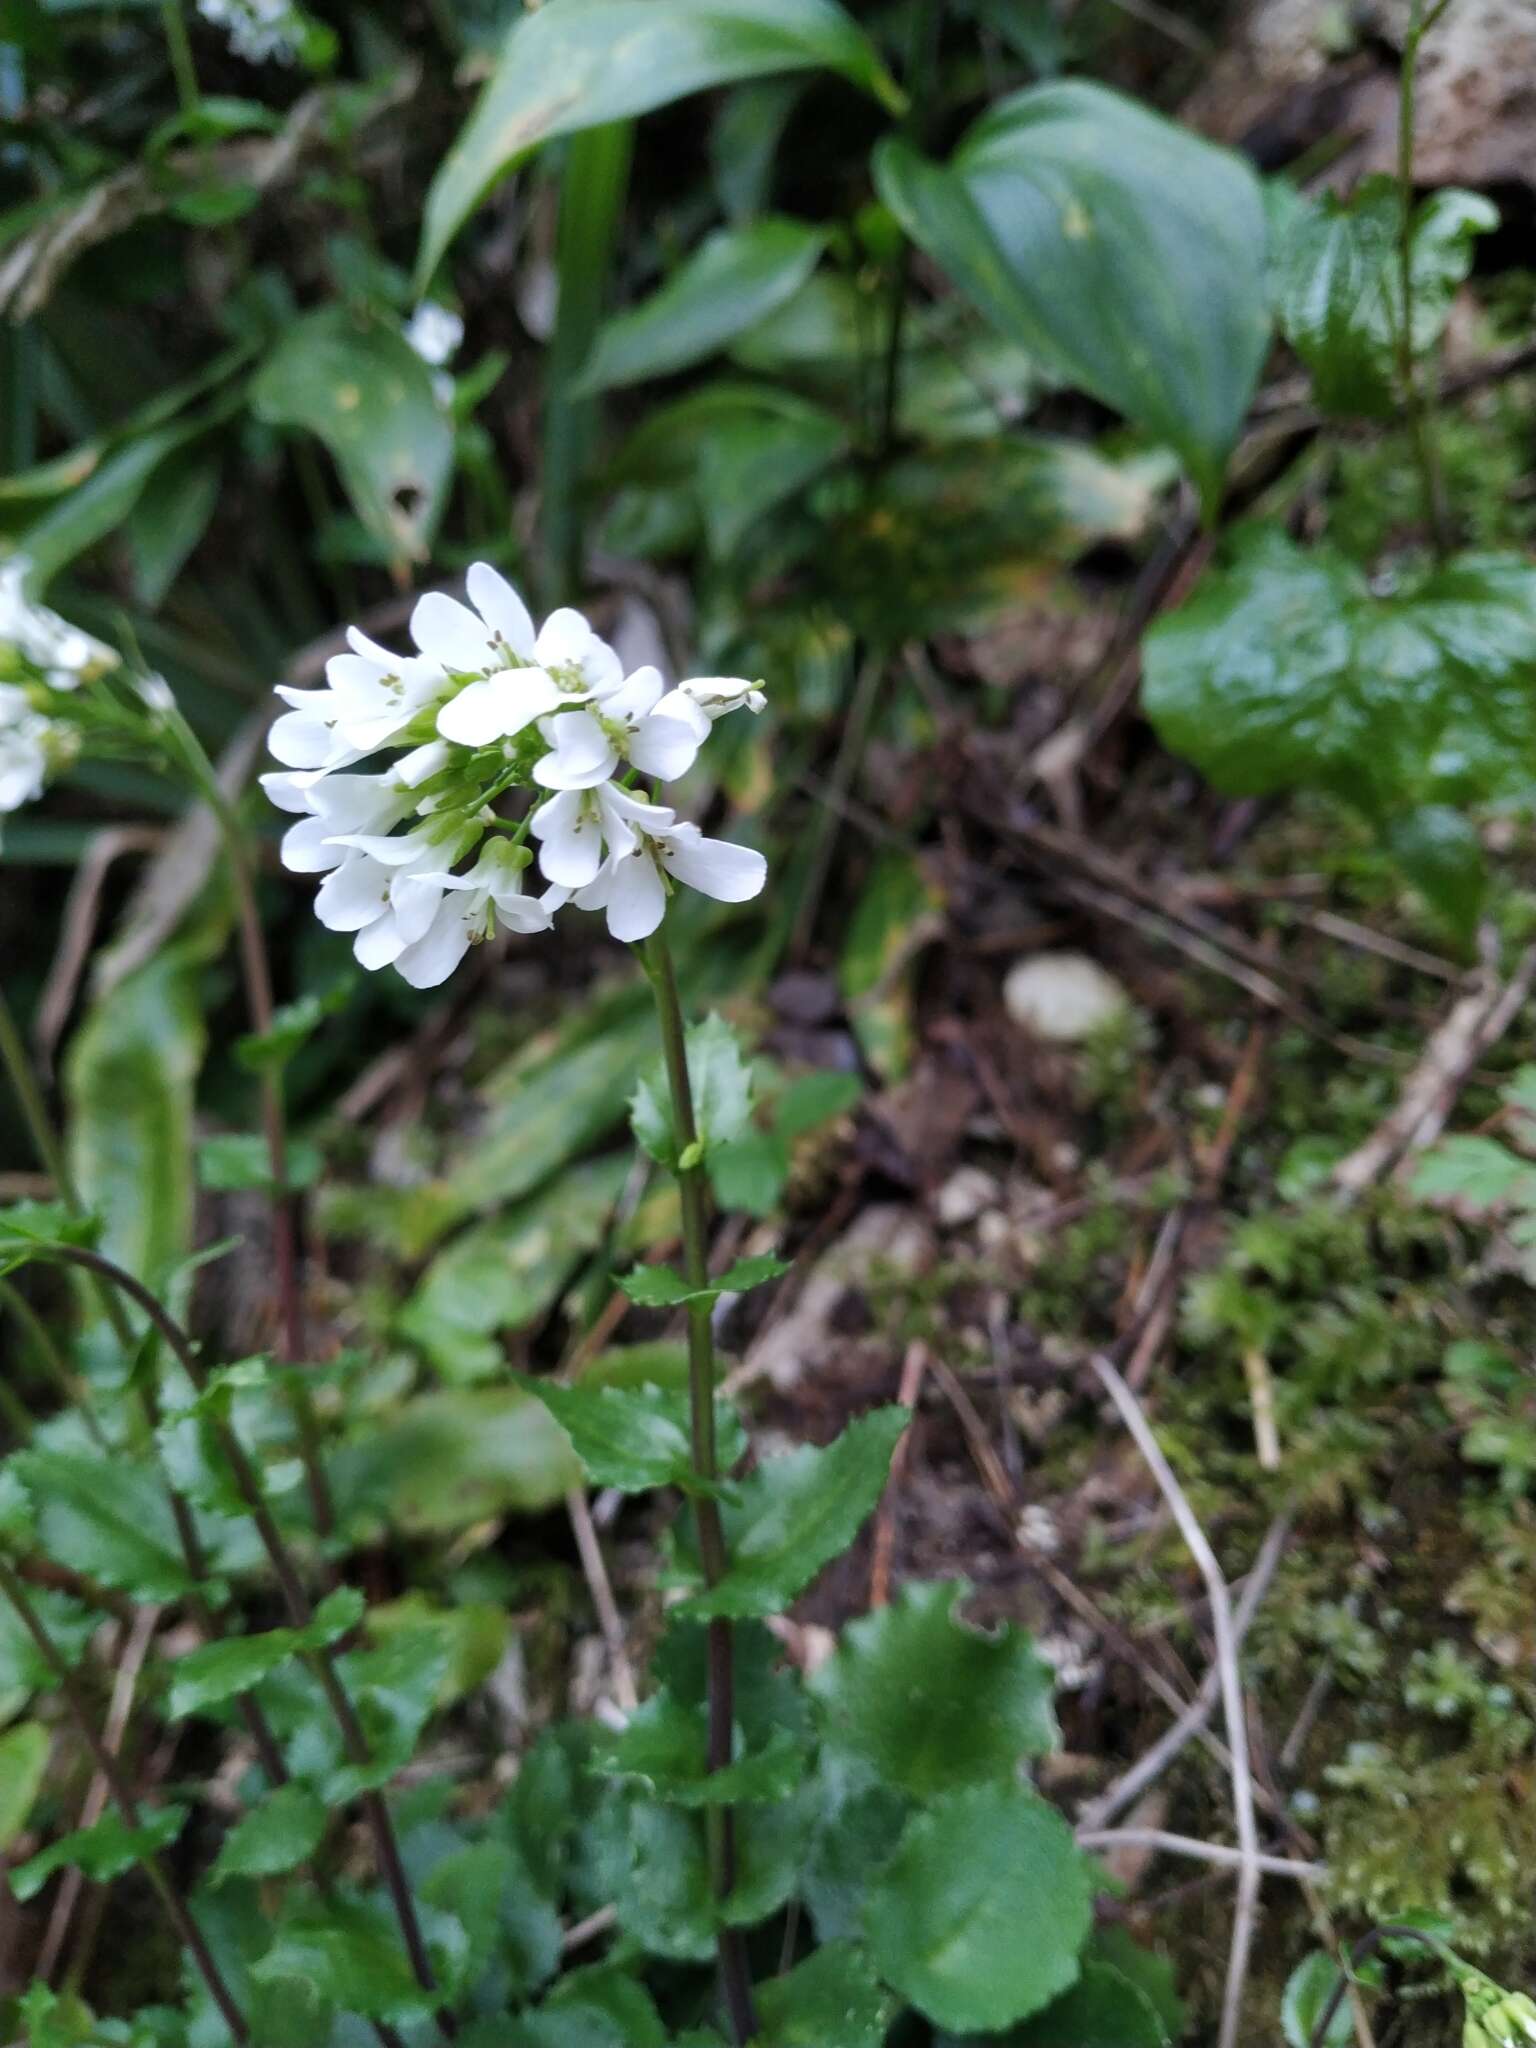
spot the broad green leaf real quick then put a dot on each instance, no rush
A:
(856, 1836)
(1285, 670)
(663, 1750)
(1150, 1971)
(216, 1672)
(396, 1688)
(109, 1522)
(1439, 850)
(931, 1704)
(474, 1634)
(487, 1888)
(721, 1084)
(833, 1996)
(446, 1461)
(102, 1852)
(577, 64)
(129, 1078)
(1307, 1990)
(947, 1917)
(23, 1766)
(665, 1900)
(350, 1950)
(1103, 2009)
(736, 277)
(633, 1438)
(362, 390)
(1339, 294)
(70, 1625)
(797, 1512)
(293, 1025)
(237, 1162)
(1479, 1175)
(607, 1994)
(505, 1273)
(815, 1099)
(275, 1836)
(1124, 251)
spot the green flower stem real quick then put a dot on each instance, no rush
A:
(176, 1908)
(179, 48)
(1416, 404)
(256, 973)
(720, 1820)
(296, 1602)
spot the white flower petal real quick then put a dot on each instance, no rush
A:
(633, 699)
(502, 609)
(353, 896)
(299, 740)
(581, 755)
(715, 867)
(498, 707)
(420, 765)
(664, 747)
(291, 792)
(379, 944)
(637, 898)
(414, 900)
(679, 705)
(570, 834)
(390, 850)
(566, 641)
(433, 958)
(307, 849)
(451, 633)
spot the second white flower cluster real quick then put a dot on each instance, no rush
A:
(487, 705)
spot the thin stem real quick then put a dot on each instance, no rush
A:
(117, 1786)
(179, 47)
(295, 1600)
(926, 19)
(720, 1820)
(53, 1361)
(1418, 406)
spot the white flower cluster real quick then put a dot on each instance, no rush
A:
(40, 654)
(258, 30)
(487, 705)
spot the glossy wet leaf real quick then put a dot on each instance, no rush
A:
(931, 1704)
(632, 1438)
(1124, 251)
(362, 390)
(834, 1995)
(947, 1916)
(1338, 285)
(797, 1512)
(24, 1752)
(102, 1852)
(276, 1835)
(736, 277)
(577, 64)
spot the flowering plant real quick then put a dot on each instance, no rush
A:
(419, 861)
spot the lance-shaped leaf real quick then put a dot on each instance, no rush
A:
(208, 1676)
(110, 1522)
(1123, 251)
(931, 1704)
(635, 1438)
(979, 1917)
(576, 64)
(101, 1852)
(795, 1513)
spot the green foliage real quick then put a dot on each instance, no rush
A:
(833, 1995)
(1339, 287)
(1286, 671)
(110, 1522)
(634, 1438)
(209, 1676)
(661, 1287)
(971, 1870)
(274, 1837)
(103, 1851)
(594, 61)
(23, 1766)
(931, 1705)
(1066, 199)
(721, 1084)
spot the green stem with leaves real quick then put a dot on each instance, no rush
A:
(1417, 405)
(179, 47)
(295, 1600)
(176, 1908)
(692, 1191)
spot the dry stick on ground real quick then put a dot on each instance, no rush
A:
(611, 1622)
(1476, 1021)
(1230, 1675)
(1147, 1769)
(1205, 1852)
(913, 1368)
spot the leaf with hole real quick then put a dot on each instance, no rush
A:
(1123, 251)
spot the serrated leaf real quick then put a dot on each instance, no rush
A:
(112, 1523)
(663, 1287)
(1339, 287)
(276, 1836)
(735, 277)
(395, 1689)
(580, 63)
(797, 1512)
(101, 1852)
(445, 1461)
(23, 1766)
(292, 1027)
(633, 1438)
(46, 1223)
(1285, 670)
(944, 1916)
(1479, 1175)
(663, 1750)
(1124, 251)
(833, 1996)
(931, 1704)
(721, 1084)
(350, 1950)
(1104, 2009)
(216, 1672)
